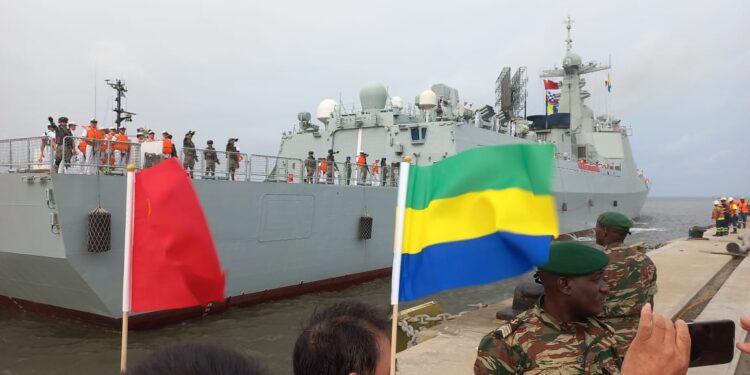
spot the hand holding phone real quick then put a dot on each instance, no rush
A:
(712, 342)
(660, 346)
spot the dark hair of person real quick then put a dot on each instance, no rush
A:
(197, 359)
(340, 339)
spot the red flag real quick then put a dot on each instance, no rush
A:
(175, 263)
(551, 85)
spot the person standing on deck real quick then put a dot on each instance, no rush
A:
(188, 149)
(362, 166)
(209, 155)
(348, 170)
(310, 164)
(631, 276)
(121, 147)
(331, 163)
(47, 150)
(233, 160)
(743, 212)
(65, 145)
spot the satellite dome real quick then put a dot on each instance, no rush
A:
(572, 60)
(397, 102)
(427, 99)
(373, 96)
(326, 108)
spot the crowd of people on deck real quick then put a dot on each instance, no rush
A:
(595, 317)
(328, 171)
(729, 212)
(94, 150)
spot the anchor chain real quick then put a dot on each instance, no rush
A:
(423, 319)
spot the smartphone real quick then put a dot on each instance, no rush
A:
(711, 342)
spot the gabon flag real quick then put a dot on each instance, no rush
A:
(174, 260)
(479, 216)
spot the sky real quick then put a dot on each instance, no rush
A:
(246, 68)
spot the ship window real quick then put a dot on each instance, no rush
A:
(418, 134)
(582, 152)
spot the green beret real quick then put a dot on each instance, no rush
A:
(615, 220)
(574, 259)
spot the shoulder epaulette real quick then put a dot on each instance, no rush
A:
(506, 329)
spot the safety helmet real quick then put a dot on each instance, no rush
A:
(716, 203)
(731, 199)
(723, 198)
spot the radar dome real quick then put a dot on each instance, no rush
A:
(373, 96)
(326, 108)
(427, 99)
(397, 102)
(571, 60)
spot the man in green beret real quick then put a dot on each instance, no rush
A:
(631, 276)
(561, 333)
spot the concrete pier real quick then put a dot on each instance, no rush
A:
(684, 268)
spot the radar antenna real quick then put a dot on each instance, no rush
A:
(122, 115)
(510, 94)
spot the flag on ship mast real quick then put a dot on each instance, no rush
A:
(551, 85)
(608, 83)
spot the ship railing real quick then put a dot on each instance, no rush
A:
(266, 168)
(91, 156)
(351, 174)
(27, 155)
(212, 164)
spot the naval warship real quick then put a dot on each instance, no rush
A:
(284, 226)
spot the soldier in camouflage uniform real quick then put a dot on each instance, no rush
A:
(631, 276)
(209, 155)
(310, 165)
(188, 149)
(560, 334)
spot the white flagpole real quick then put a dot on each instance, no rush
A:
(398, 237)
(126, 268)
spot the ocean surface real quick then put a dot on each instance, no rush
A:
(32, 344)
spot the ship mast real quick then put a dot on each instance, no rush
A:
(568, 41)
(122, 115)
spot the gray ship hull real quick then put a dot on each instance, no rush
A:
(274, 239)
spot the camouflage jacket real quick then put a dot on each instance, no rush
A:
(537, 343)
(631, 276)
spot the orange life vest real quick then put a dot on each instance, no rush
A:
(324, 166)
(743, 207)
(166, 147)
(732, 207)
(121, 146)
(375, 167)
(361, 161)
(94, 134)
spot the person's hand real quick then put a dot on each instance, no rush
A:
(659, 347)
(745, 323)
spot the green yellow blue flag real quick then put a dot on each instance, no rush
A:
(480, 216)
